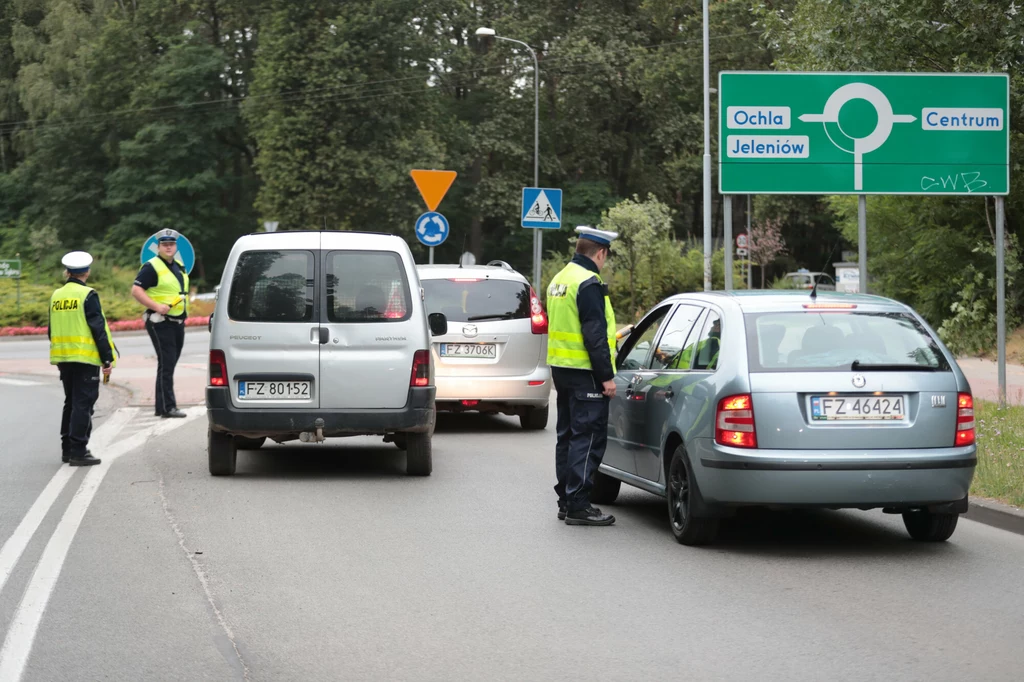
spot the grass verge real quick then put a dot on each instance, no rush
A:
(1000, 472)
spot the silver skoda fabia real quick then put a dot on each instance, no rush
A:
(780, 399)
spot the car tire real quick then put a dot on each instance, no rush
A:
(606, 489)
(223, 453)
(680, 494)
(418, 454)
(926, 526)
(534, 418)
(243, 443)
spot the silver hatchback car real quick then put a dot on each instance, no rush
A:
(780, 399)
(494, 357)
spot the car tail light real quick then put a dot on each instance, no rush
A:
(470, 403)
(464, 279)
(830, 306)
(964, 419)
(734, 422)
(538, 319)
(420, 368)
(218, 368)
(536, 383)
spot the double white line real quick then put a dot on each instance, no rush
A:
(20, 637)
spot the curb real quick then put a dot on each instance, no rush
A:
(996, 514)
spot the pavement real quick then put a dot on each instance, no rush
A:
(984, 379)
(135, 373)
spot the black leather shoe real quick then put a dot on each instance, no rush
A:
(174, 414)
(591, 516)
(65, 457)
(561, 511)
(86, 460)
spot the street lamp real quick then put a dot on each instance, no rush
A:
(485, 32)
(707, 158)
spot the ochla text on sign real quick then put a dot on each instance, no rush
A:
(863, 133)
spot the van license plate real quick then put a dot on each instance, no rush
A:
(469, 350)
(858, 408)
(273, 390)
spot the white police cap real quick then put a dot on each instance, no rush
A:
(76, 261)
(600, 236)
(167, 235)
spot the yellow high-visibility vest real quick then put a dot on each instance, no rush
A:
(565, 332)
(168, 290)
(70, 336)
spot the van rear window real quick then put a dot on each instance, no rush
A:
(470, 299)
(367, 286)
(272, 286)
(814, 341)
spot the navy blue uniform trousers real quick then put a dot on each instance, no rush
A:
(168, 339)
(582, 435)
(81, 390)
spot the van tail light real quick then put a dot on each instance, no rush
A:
(964, 419)
(420, 369)
(538, 318)
(734, 422)
(218, 368)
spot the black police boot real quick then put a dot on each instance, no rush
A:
(174, 414)
(86, 460)
(561, 510)
(64, 457)
(591, 516)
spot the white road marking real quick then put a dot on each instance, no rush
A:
(16, 544)
(25, 624)
(19, 382)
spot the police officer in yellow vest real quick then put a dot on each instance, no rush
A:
(81, 346)
(162, 286)
(581, 352)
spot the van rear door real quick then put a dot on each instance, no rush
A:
(372, 329)
(270, 337)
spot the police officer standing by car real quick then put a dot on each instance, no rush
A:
(81, 346)
(581, 352)
(162, 286)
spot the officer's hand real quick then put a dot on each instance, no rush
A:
(163, 309)
(106, 370)
(609, 388)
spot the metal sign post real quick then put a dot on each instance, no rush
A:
(727, 217)
(12, 268)
(1000, 300)
(862, 242)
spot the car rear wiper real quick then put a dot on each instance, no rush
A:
(493, 316)
(890, 367)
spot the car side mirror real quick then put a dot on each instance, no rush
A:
(438, 324)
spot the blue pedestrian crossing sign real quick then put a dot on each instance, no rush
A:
(542, 207)
(186, 253)
(432, 228)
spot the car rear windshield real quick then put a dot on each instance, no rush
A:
(817, 341)
(272, 286)
(367, 286)
(467, 299)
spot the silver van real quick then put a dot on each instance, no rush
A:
(316, 335)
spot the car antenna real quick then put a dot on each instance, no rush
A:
(814, 289)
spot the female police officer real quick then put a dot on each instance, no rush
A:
(162, 286)
(581, 352)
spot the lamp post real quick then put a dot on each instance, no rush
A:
(707, 157)
(489, 33)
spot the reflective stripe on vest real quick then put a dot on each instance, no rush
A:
(565, 332)
(168, 290)
(70, 337)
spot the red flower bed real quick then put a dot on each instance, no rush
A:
(119, 326)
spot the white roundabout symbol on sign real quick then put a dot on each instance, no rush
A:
(861, 145)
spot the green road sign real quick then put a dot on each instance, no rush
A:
(863, 133)
(10, 268)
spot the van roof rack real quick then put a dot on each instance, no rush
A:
(501, 264)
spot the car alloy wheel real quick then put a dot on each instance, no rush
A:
(678, 495)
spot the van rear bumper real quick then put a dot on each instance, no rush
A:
(416, 417)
